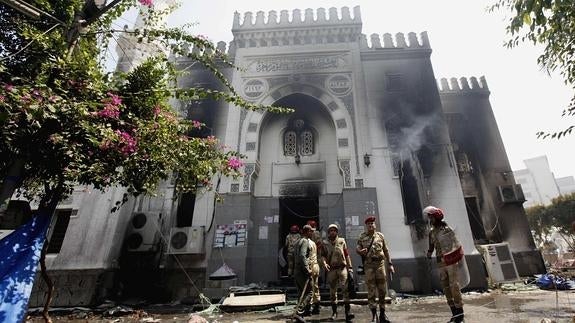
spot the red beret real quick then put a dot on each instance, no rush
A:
(312, 223)
(370, 218)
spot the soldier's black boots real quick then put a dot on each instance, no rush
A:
(333, 312)
(348, 315)
(315, 309)
(298, 319)
(373, 314)
(305, 311)
(453, 312)
(458, 315)
(382, 317)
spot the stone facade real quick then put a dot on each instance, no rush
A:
(371, 133)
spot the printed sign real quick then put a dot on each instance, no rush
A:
(230, 235)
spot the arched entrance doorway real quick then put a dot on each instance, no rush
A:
(298, 156)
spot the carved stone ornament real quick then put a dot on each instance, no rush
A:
(339, 84)
(297, 63)
(255, 88)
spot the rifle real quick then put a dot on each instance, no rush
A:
(363, 257)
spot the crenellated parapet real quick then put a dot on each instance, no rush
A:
(463, 85)
(300, 28)
(392, 42)
(221, 46)
(309, 18)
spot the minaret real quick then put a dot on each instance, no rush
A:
(130, 52)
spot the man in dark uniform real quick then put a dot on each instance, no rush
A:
(372, 248)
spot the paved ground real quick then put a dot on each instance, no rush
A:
(497, 306)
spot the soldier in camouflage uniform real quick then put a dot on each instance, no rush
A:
(337, 263)
(447, 273)
(305, 267)
(316, 237)
(372, 248)
(291, 240)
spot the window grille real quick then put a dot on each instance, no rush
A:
(290, 143)
(306, 143)
(298, 139)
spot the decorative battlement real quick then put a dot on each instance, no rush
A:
(315, 27)
(398, 42)
(463, 85)
(310, 18)
(221, 46)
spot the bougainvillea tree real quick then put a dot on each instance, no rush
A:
(66, 122)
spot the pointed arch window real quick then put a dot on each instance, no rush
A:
(299, 139)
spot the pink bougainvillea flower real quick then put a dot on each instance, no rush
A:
(114, 99)
(109, 111)
(2, 98)
(235, 163)
(128, 144)
(8, 87)
(196, 124)
(157, 110)
(148, 3)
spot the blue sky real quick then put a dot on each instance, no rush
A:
(466, 41)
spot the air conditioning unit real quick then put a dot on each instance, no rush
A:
(511, 193)
(499, 262)
(143, 232)
(4, 233)
(187, 240)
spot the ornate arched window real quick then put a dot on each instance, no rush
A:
(290, 146)
(298, 139)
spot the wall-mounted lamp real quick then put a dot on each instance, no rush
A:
(506, 175)
(367, 160)
(297, 159)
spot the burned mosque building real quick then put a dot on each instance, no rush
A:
(372, 133)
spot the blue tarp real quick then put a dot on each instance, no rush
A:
(550, 281)
(19, 257)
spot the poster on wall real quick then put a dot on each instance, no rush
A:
(263, 232)
(231, 235)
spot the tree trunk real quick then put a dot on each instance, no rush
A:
(47, 208)
(89, 14)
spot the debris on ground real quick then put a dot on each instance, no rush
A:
(517, 287)
(553, 282)
(196, 319)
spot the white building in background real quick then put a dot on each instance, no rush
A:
(539, 183)
(566, 184)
